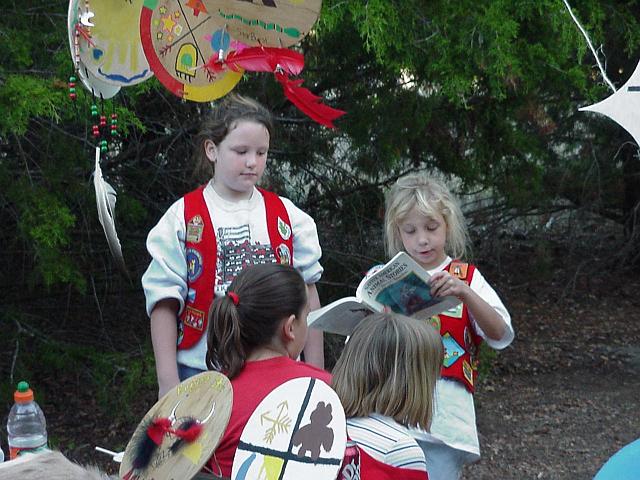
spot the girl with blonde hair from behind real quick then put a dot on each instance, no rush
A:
(424, 219)
(385, 378)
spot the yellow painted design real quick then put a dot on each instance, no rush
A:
(271, 468)
(193, 451)
(217, 89)
(117, 52)
(186, 61)
(168, 23)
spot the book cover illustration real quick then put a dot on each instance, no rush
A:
(408, 296)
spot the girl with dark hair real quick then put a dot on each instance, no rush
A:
(255, 333)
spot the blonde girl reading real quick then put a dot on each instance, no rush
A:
(208, 236)
(385, 378)
(424, 219)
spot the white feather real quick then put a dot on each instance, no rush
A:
(106, 203)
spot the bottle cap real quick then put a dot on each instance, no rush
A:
(23, 394)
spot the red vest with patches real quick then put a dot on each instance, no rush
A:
(359, 465)
(461, 343)
(202, 258)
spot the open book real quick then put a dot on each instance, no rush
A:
(401, 284)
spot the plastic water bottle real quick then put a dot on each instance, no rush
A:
(26, 426)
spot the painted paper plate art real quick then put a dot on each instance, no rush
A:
(183, 428)
(76, 29)
(264, 22)
(297, 432)
(113, 51)
(178, 38)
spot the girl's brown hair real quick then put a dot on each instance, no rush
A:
(390, 366)
(264, 295)
(221, 120)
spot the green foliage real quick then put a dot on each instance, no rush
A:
(41, 358)
(23, 97)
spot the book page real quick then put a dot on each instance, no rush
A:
(341, 316)
(403, 286)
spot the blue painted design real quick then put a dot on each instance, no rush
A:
(624, 465)
(220, 40)
(97, 53)
(244, 468)
(121, 78)
(452, 350)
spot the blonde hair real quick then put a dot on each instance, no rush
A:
(51, 465)
(428, 195)
(390, 366)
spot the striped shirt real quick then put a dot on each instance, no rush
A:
(387, 441)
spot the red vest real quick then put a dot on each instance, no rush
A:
(202, 258)
(359, 465)
(461, 343)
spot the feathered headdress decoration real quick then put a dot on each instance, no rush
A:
(282, 62)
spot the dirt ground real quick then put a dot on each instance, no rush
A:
(555, 405)
(564, 396)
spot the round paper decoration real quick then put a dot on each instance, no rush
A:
(297, 432)
(113, 52)
(206, 399)
(98, 87)
(263, 22)
(178, 38)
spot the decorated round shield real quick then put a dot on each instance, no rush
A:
(111, 49)
(179, 38)
(201, 403)
(264, 22)
(98, 87)
(297, 431)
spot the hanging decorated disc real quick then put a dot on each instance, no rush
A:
(623, 107)
(297, 431)
(178, 38)
(181, 431)
(263, 22)
(76, 30)
(112, 50)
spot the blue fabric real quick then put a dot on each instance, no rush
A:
(623, 465)
(185, 372)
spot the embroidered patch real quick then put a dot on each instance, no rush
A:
(452, 350)
(454, 312)
(194, 264)
(191, 295)
(469, 343)
(194, 318)
(435, 322)
(459, 269)
(180, 332)
(284, 229)
(467, 371)
(195, 226)
(284, 254)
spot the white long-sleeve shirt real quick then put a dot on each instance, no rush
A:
(236, 223)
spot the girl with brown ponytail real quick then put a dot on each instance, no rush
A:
(255, 333)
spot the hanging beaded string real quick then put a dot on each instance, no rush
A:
(114, 121)
(76, 60)
(95, 129)
(103, 126)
